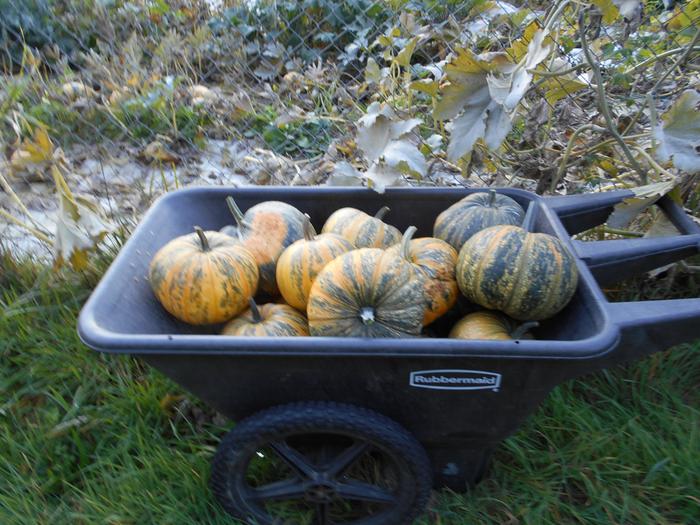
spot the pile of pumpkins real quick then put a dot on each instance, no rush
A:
(361, 277)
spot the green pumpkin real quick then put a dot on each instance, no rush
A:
(474, 213)
(528, 276)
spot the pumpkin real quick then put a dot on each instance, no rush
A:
(266, 229)
(366, 293)
(435, 260)
(300, 263)
(268, 320)
(474, 213)
(362, 230)
(528, 276)
(203, 278)
(490, 325)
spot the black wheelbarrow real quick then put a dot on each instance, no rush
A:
(357, 431)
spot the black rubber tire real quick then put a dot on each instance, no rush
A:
(382, 435)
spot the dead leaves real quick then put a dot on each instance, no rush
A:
(79, 224)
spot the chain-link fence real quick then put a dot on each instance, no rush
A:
(145, 96)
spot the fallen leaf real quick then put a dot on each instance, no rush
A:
(157, 151)
(74, 90)
(79, 227)
(201, 95)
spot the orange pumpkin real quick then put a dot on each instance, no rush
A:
(300, 263)
(362, 230)
(490, 325)
(266, 229)
(435, 260)
(366, 293)
(203, 278)
(268, 320)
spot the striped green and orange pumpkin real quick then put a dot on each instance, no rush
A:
(361, 229)
(367, 293)
(435, 260)
(528, 276)
(474, 213)
(266, 229)
(203, 277)
(490, 325)
(300, 263)
(268, 320)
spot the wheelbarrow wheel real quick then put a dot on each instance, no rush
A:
(321, 463)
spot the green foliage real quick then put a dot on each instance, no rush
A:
(44, 23)
(299, 138)
(332, 25)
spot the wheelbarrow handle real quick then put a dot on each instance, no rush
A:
(582, 212)
(651, 326)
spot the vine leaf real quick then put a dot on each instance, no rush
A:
(678, 133)
(484, 91)
(612, 9)
(403, 58)
(381, 175)
(608, 9)
(383, 139)
(381, 135)
(345, 174)
(644, 196)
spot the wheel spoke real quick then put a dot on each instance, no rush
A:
(294, 459)
(358, 490)
(323, 514)
(286, 489)
(346, 458)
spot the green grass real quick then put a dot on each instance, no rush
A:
(92, 439)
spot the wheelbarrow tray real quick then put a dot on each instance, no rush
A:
(458, 397)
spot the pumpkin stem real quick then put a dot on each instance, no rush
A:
(530, 216)
(367, 315)
(309, 230)
(523, 328)
(382, 212)
(492, 197)
(202, 238)
(406, 242)
(257, 318)
(235, 211)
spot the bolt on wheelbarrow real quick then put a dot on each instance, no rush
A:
(357, 431)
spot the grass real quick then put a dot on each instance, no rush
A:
(89, 438)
